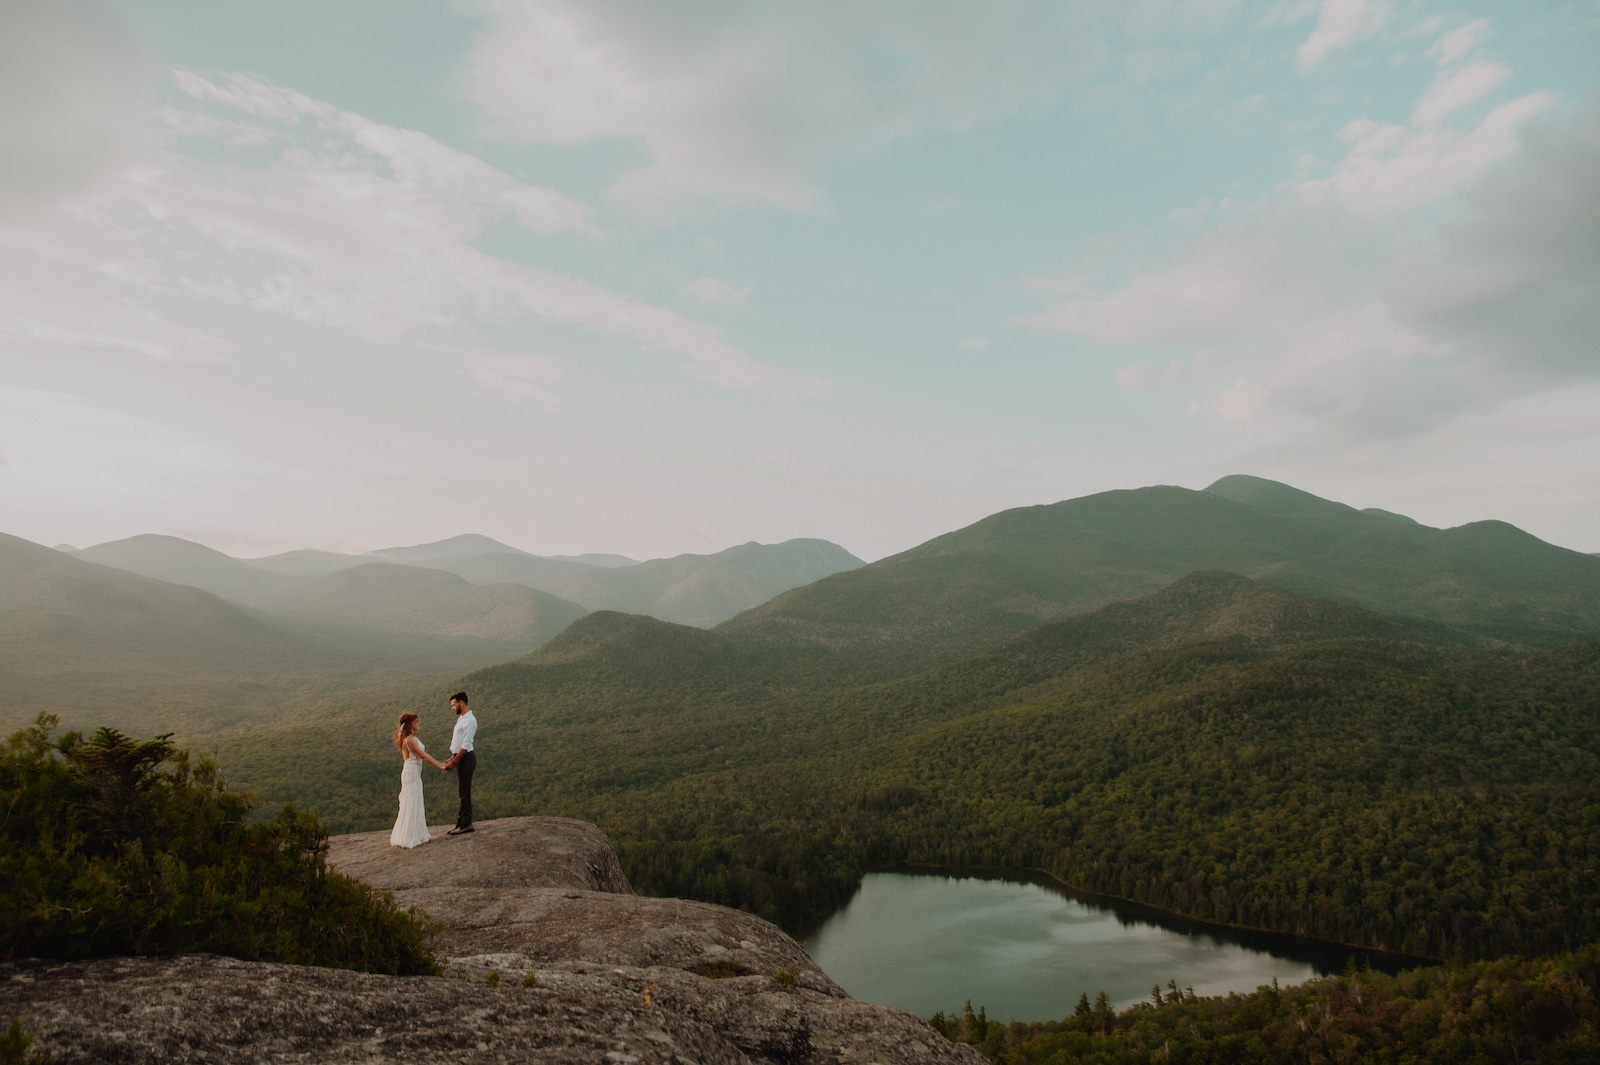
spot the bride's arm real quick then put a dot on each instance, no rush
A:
(411, 744)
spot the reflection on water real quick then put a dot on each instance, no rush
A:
(1025, 951)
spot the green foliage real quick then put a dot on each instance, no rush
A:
(1219, 748)
(778, 871)
(530, 980)
(112, 846)
(1388, 797)
(1524, 1010)
(787, 976)
(15, 1044)
(493, 979)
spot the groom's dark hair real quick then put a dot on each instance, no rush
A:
(459, 695)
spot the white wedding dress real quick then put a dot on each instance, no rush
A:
(411, 827)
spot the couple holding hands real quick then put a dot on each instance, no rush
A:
(411, 828)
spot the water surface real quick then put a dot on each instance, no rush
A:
(929, 941)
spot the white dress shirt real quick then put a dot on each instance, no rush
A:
(466, 729)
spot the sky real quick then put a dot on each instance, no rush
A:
(645, 278)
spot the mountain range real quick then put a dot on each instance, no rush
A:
(1011, 571)
(163, 634)
(694, 589)
(1187, 698)
(87, 632)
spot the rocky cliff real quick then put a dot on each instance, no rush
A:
(586, 971)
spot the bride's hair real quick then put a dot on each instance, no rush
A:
(406, 729)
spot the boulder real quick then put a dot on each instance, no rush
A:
(582, 970)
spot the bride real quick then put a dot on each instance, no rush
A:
(411, 827)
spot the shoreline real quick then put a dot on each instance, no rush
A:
(1399, 961)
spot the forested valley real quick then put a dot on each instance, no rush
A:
(1303, 766)
(1247, 706)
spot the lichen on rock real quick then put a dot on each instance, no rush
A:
(529, 895)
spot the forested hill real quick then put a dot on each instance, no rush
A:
(1220, 747)
(620, 697)
(1007, 573)
(94, 643)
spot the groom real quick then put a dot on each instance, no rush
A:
(463, 760)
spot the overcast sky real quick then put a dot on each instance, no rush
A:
(643, 277)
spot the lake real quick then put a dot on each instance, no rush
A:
(1024, 950)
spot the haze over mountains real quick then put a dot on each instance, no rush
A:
(427, 601)
(693, 589)
(159, 633)
(703, 590)
(97, 644)
(84, 632)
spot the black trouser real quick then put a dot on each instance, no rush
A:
(464, 769)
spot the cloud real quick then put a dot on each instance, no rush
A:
(713, 290)
(416, 161)
(1390, 168)
(109, 457)
(1456, 90)
(525, 377)
(349, 225)
(743, 103)
(1341, 23)
(199, 348)
(73, 81)
(1321, 313)
(1252, 278)
(1461, 40)
(1514, 281)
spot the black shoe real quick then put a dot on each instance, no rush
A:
(459, 831)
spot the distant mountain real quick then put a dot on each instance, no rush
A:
(84, 639)
(61, 614)
(309, 563)
(477, 559)
(703, 590)
(502, 568)
(413, 599)
(693, 589)
(604, 561)
(466, 544)
(168, 558)
(100, 645)
(1007, 573)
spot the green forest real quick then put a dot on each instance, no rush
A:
(1220, 749)
(1227, 750)
(111, 845)
(1541, 1010)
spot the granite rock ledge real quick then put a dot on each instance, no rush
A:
(538, 895)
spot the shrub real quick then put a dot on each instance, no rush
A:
(14, 1045)
(115, 846)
